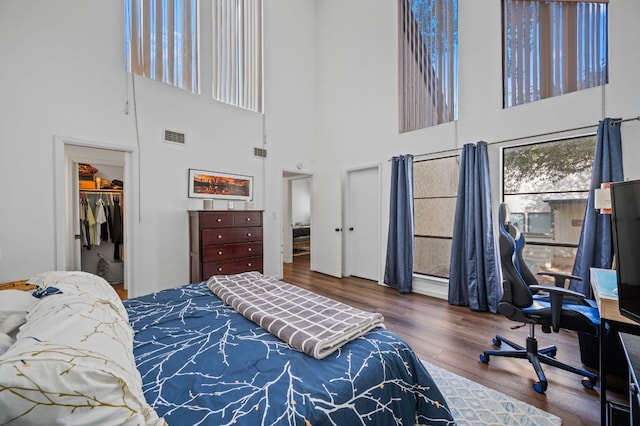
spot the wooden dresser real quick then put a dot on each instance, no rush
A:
(224, 242)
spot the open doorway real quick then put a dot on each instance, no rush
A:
(101, 209)
(108, 176)
(296, 217)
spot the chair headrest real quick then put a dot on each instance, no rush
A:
(504, 214)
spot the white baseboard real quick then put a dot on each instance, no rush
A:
(429, 286)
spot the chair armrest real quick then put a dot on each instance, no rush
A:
(558, 295)
(565, 292)
(560, 278)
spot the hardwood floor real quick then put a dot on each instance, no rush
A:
(122, 292)
(453, 337)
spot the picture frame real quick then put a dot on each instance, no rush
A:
(225, 186)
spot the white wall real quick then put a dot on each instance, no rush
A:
(330, 104)
(301, 201)
(63, 74)
(357, 74)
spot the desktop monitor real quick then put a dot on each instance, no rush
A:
(625, 221)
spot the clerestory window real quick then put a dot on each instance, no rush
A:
(550, 48)
(161, 41)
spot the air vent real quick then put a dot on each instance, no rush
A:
(174, 137)
(260, 152)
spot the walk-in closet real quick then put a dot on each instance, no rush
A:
(101, 217)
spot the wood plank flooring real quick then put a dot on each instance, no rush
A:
(452, 337)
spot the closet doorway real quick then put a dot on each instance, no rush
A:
(76, 195)
(101, 209)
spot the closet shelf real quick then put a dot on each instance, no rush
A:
(101, 191)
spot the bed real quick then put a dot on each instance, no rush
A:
(185, 357)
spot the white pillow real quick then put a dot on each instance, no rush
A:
(73, 364)
(81, 284)
(14, 306)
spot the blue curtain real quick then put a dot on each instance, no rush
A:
(398, 272)
(473, 277)
(595, 248)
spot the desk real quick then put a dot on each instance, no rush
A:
(603, 283)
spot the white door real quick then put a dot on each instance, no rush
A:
(326, 219)
(362, 230)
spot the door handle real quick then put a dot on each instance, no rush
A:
(351, 228)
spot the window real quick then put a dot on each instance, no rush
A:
(435, 189)
(546, 186)
(552, 47)
(428, 58)
(237, 53)
(161, 41)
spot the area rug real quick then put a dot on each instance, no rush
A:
(474, 404)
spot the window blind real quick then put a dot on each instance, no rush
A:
(237, 56)
(552, 47)
(428, 63)
(161, 39)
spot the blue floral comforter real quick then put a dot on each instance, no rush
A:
(203, 363)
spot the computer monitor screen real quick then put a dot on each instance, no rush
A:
(625, 205)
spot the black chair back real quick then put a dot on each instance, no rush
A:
(516, 290)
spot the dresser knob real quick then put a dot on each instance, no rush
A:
(248, 219)
(219, 237)
(219, 219)
(220, 269)
(248, 234)
(220, 253)
(249, 264)
(249, 249)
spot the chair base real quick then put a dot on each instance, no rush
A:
(537, 357)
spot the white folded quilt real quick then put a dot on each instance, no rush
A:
(311, 323)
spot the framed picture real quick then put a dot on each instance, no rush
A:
(226, 186)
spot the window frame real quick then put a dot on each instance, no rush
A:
(538, 241)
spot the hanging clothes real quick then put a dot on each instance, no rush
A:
(101, 219)
(106, 226)
(91, 222)
(116, 235)
(84, 224)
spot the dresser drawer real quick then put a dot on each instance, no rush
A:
(247, 218)
(229, 267)
(216, 219)
(230, 251)
(230, 235)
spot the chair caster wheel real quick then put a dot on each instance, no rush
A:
(588, 383)
(553, 353)
(497, 343)
(484, 359)
(540, 387)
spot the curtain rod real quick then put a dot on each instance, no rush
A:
(444, 151)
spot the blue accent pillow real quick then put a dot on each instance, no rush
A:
(41, 292)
